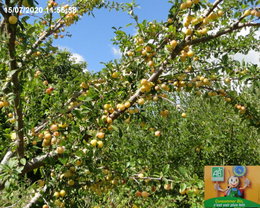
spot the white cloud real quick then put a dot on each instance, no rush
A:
(245, 31)
(252, 57)
(116, 52)
(77, 58)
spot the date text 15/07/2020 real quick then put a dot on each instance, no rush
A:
(38, 10)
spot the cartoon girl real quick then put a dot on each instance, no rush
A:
(233, 189)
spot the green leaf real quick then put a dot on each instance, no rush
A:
(23, 161)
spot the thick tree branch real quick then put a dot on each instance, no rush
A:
(7, 156)
(12, 29)
(236, 26)
(38, 161)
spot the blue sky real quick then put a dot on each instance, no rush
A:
(91, 36)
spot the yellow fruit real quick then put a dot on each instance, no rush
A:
(120, 107)
(100, 144)
(148, 49)
(71, 182)
(47, 136)
(196, 191)
(109, 120)
(130, 53)
(1, 104)
(115, 75)
(173, 44)
(205, 21)
(45, 206)
(247, 12)
(45, 82)
(203, 31)
(139, 40)
(186, 24)
(157, 133)
(150, 63)
(107, 106)
(93, 142)
(54, 127)
(145, 194)
(228, 99)
(190, 53)
(189, 3)
(127, 104)
(220, 13)
(56, 194)
(62, 193)
(5, 103)
(227, 80)
(60, 150)
(167, 186)
(83, 85)
(66, 6)
(196, 58)
(170, 20)
(100, 135)
(56, 134)
(183, 6)
(114, 182)
(155, 98)
(13, 20)
(10, 115)
(57, 202)
(140, 101)
(182, 192)
(67, 174)
(144, 82)
(195, 1)
(78, 163)
(189, 18)
(187, 31)
(183, 115)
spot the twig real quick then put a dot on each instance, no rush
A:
(150, 178)
(35, 198)
(216, 3)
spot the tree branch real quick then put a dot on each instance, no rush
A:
(12, 29)
(2, 11)
(236, 26)
(216, 3)
(7, 156)
(35, 198)
(38, 161)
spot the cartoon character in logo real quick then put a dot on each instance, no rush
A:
(233, 189)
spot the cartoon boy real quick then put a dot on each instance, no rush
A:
(233, 189)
